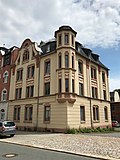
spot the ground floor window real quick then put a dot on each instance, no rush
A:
(82, 113)
(106, 113)
(47, 113)
(17, 113)
(95, 113)
(28, 112)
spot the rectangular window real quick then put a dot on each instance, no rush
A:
(48, 48)
(18, 93)
(17, 113)
(47, 113)
(72, 61)
(93, 73)
(59, 61)
(104, 94)
(28, 113)
(66, 39)
(82, 113)
(106, 113)
(95, 113)
(60, 85)
(81, 92)
(66, 61)
(29, 91)
(94, 92)
(60, 40)
(73, 86)
(103, 77)
(72, 40)
(80, 67)
(47, 88)
(30, 71)
(47, 67)
(66, 85)
(19, 75)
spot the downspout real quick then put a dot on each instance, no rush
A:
(38, 63)
(90, 94)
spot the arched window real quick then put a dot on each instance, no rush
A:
(4, 95)
(5, 77)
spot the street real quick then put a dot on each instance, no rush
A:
(18, 152)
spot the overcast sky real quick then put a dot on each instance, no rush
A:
(97, 23)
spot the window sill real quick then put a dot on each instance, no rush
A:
(97, 121)
(47, 122)
(27, 121)
(82, 122)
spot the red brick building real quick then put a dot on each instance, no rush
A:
(7, 57)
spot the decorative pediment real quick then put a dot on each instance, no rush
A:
(26, 43)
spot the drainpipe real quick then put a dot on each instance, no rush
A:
(38, 94)
(91, 119)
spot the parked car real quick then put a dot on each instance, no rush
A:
(7, 128)
(115, 124)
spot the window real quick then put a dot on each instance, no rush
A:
(104, 94)
(47, 88)
(73, 86)
(4, 95)
(106, 113)
(94, 92)
(66, 39)
(60, 86)
(93, 73)
(72, 61)
(5, 77)
(26, 56)
(47, 67)
(80, 67)
(59, 61)
(30, 71)
(82, 113)
(72, 40)
(28, 112)
(18, 93)
(17, 113)
(18, 61)
(66, 61)
(60, 40)
(47, 113)
(103, 77)
(6, 60)
(29, 91)
(48, 48)
(19, 75)
(81, 93)
(95, 113)
(66, 85)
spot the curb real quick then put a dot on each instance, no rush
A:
(62, 151)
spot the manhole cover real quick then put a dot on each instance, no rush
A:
(10, 155)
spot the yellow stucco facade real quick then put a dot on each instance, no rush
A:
(53, 88)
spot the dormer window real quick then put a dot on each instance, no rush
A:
(48, 48)
(26, 56)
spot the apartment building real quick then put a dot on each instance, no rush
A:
(6, 59)
(59, 84)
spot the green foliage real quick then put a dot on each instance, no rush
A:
(89, 130)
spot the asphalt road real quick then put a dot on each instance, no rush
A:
(17, 152)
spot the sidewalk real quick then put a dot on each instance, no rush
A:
(88, 145)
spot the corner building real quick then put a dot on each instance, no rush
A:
(59, 85)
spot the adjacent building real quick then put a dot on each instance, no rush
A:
(58, 84)
(5, 72)
(115, 105)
